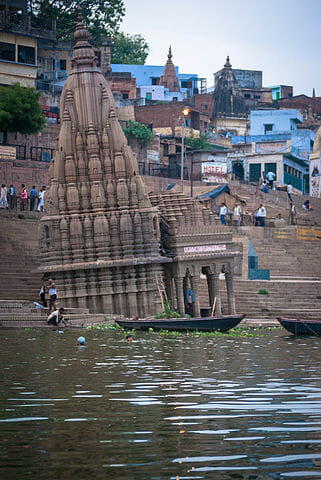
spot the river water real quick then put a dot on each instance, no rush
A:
(163, 407)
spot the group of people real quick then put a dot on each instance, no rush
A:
(237, 213)
(8, 198)
(56, 316)
(267, 181)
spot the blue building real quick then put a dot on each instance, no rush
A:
(275, 144)
(266, 122)
(150, 75)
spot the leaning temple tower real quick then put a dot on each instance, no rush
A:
(99, 238)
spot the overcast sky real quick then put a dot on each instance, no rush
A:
(280, 37)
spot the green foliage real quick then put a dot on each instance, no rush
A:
(103, 327)
(20, 110)
(21, 216)
(198, 143)
(167, 312)
(101, 17)
(139, 131)
(263, 291)
(130, 49)
(234, 333)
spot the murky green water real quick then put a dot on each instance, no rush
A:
(159, 408)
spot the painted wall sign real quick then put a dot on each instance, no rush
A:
(205, 248)
(215, 171)
(270, 147)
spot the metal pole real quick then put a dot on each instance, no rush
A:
(182, 157)
(192, 164)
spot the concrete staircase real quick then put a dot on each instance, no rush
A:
(19, 242)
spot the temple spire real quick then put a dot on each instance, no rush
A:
(227, 63)
(169, 78)
(83, 52)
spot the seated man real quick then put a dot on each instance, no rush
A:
(56, 317)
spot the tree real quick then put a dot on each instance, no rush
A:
(139, 131)
(129, 49)
(198, 143)
(20, 110)
(101, 17)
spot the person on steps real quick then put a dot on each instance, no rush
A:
(56, 317)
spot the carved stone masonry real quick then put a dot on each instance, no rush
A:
(100, 234)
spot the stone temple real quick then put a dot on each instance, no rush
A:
(102, 238)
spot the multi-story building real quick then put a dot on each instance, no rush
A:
(275, 144)
(19, 44)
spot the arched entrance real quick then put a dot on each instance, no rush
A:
(238, 170)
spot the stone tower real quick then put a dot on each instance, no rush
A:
(99, 238)
(228, 99)
(169, 78)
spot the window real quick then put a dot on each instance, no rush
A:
(205, 124)
(63, 64)
(258, 97)
(155, 81)
(204, 107)
(26, 54)
(7, 51)
(268, 127)
(247, 95)
(125, 95)
(148, 96)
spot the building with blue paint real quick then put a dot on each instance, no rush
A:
(149, 75)
(275, 144)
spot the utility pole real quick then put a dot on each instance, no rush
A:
(186, 112)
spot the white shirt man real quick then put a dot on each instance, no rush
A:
(223, 212)
(261, 214)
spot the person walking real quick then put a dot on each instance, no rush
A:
(261, 214)
(41, 197)
(4, 197)
(223, 212)
(52, 295)
(33, 196)
(270, 176)
(292, 213)
(12, 197)
(24, 198)
(289, 190)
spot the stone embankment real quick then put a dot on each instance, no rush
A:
(291, 253)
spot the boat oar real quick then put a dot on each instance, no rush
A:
(213, 309)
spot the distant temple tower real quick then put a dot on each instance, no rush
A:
(230, 112)
(169, 78)
(100, 235)
(228, 99)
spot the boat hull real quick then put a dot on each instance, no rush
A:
(301, 327)
(206, 324)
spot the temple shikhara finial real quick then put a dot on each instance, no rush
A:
(100, 235)
(169, 78)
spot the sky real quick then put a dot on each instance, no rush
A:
(280, 37)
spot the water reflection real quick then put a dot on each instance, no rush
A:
(160, 407)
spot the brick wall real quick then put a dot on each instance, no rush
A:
(165, 115)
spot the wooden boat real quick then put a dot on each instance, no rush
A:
(301, 327)
(203, 324)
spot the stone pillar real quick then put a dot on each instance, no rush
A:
(218, 306)
(210, 286)
(180, 295)
(196, 306)
(230, 292)
(169, 288)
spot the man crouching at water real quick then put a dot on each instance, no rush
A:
(56, 317)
